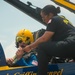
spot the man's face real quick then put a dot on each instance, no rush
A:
(45, 18)
(22, 41)
(22, 44)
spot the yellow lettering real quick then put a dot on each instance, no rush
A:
(56, 72)
(65, 21)
(17, 73)
(33, 73)
(7, 73)
(25, 73)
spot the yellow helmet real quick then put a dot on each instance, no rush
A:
(24, 35)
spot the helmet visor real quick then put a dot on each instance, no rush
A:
(20, 39)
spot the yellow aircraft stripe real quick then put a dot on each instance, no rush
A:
(4, 68)
(66, 3)
(11, 68)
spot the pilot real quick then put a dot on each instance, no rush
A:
(23, 38)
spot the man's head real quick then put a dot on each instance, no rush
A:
(24, 37)
(48, 12)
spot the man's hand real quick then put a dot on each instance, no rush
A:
(19, 53)
(9, 61)
(27, 48)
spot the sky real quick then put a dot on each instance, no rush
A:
(12, 20)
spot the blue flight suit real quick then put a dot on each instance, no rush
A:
(28, 61)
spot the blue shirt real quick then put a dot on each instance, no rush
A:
(28, 61)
